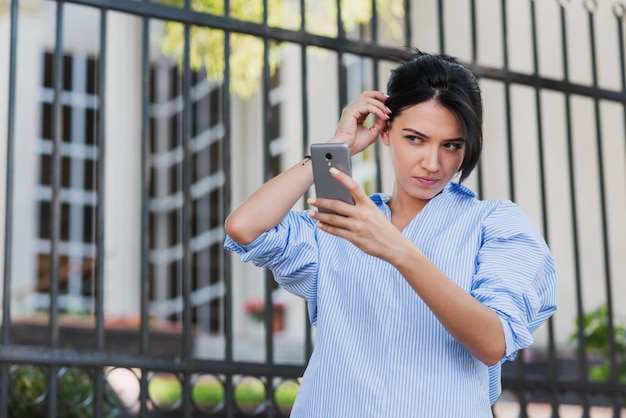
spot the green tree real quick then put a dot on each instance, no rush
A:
(246, 52)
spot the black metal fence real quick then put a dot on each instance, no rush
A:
(186, 158)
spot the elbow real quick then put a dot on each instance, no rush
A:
(491, 348)
(237, 230)
(491, 356)
(491, 360)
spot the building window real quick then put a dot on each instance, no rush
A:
(78, 194)
(77, 248)
(167, 195)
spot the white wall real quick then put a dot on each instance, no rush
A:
(25, 169)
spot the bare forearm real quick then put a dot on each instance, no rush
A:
(267, 206)
(474, 325)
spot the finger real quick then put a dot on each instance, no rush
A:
(333, 223)
(359, 111)
(327, 208)
(375, 98)
(378, 126)
(378, 108)
(375, 94)
(333, 230)
(358, 194)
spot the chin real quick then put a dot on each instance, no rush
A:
(426, 195)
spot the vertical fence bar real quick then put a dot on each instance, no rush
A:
(341, 71)
(520, 368)
(507, 99)
(187, 211)
(474, 34)
(474, 55)
(229, 396)
(376, 86)
(8, 206)
(342, 81)
(308, 337)
(552, 366)
(57, 132)
(619, 10)
(441, 27)
(408, 34)
(581, 357)
(100, 210)
(613, 377)
(269, 278)
(374, 22)
(144, 338)
(341, 33)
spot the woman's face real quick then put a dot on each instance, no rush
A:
(427, 148)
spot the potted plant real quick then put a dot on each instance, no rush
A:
(255, 310)
(596, 341)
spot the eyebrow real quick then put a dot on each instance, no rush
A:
(418, 133)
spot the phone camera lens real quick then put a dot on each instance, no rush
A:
(329, 156)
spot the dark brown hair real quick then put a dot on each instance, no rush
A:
(422, 77)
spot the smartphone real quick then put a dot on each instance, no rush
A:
(323, 157)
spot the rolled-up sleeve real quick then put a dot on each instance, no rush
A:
(515, 275)
(290, 251)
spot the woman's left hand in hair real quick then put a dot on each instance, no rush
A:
(352, 129)
(363, 223)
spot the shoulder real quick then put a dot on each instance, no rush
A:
(507, 214)
(494, 208)
(464, 202)
(498, 216)
(506, 220)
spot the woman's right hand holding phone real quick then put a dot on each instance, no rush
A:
(351, 129)
(255, 216)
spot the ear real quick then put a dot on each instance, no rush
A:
(384, 135)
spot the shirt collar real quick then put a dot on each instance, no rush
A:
(458, 188)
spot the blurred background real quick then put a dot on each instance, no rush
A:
(129, 129)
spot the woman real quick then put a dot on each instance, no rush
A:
(417, 296)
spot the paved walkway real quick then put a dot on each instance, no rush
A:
(505, 409)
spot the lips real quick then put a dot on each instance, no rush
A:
(427, 181)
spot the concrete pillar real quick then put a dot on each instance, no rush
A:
(123, 166)
(23, 275)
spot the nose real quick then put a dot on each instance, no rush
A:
(430, 162)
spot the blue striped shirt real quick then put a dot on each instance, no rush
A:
(379, 350)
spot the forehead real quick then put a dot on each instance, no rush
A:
(430, 118)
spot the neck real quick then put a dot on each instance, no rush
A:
(404, 209)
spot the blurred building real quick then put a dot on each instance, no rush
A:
(554, 143)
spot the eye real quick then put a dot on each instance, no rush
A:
(453, 146)
(413, 138)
